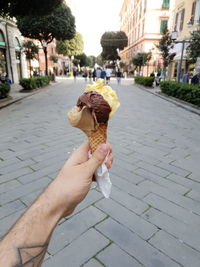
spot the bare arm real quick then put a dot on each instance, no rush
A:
(27, 241)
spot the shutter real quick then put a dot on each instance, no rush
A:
(182, 19)
(166, 4)
(163, 24)
(176, 21)
(193, 12)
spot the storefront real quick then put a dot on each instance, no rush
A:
(3, 64)
(18, 57)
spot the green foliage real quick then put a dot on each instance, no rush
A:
(146, 81)
(54, 58)
(81, 59)
(141, 59)
(186, 92)
(73, 47)
(111, 42)
(99, 60)
(35, 82)
(193, 49)
(91, 60)
(122, 64)
(4, 90)
(165, 44)
(13, 8)
(59, 25)
(30, 49)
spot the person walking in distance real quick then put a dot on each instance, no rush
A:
(98, 73)
(118, 75)
(108, 75)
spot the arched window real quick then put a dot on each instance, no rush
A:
(2, 40)
(17, 44)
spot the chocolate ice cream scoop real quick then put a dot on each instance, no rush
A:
(96, 104)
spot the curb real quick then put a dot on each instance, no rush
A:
(178, 102)
(12, 100)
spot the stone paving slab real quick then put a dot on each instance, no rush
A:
(153, 215)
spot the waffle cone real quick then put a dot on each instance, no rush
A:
(86, 121)
(97, 137)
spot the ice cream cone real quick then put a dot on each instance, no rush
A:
(86, 121)
(97, 136)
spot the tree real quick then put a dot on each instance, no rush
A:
(165, 44)
(59, 25)
(99, 60)
(111, 43)
(140, 60)
(54, 58)
(81, 59)
(193, 49)
(73, 47)
(14, 8)
(91, 61)
(31, 52)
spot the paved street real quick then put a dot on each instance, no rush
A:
(153, 216)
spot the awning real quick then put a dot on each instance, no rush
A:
(177, 49)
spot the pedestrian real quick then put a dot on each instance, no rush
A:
(158, 78)
(186, 77)
(103, 74)
(195, 79)
(108, 74)
(98, 73)
(85, 74)
(27, 241)
(74, 74)
(152, 75)
(94, 75)
(7, 80)
(119, 76)
(90, 75)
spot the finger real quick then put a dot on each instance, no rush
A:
(97, 158)
(80, 155)
(109, 161)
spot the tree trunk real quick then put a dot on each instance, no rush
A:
(46, 60)
(164, 73)
(30, 67)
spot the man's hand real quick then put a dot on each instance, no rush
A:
(27, 241)
(75, 178)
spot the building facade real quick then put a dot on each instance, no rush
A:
(144, 21)
(186, 18)
(12, 60)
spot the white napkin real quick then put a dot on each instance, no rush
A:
(103, 180)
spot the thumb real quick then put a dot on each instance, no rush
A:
(97, 158)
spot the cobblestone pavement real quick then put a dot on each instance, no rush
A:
(153, 216)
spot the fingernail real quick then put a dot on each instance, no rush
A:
(103, 149)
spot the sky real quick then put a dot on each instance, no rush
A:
(93, 18)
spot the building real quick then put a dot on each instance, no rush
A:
(12, 60)
(186, 18)
(144, 21)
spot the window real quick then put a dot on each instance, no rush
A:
(2, 40)
(179, 20)
(193, 12)
(182, 19)
(165, 4)
(145, 6)
(197, 12)
(163, 25)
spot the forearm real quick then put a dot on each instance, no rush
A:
(28, 239)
